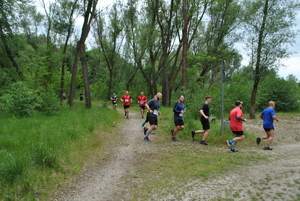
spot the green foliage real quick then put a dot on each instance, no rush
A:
(11, 167)
(18, 100)
(99, 90)
(47, 102)
(284, 93)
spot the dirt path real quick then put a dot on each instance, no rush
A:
(277, 178)
(103, 181)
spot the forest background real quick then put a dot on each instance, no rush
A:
(169, 46)
(174, 47)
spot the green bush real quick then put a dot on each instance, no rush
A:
(17, 100)
(47, 102)
(284, 93)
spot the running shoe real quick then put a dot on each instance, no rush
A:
(172, 131)
(142, 117)
(152, 132)
(258, 139)
(124, 113)
(143, 124)
(268, 148)
(174, 139)
(193, 134)
(234, 150)
(147, 140)
(203, 142)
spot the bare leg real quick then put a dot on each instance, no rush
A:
(237, 138)
(269, 137)
(177, 128)
(151, 128)
(127, 112)
(206, 132)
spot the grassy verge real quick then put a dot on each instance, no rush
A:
(177, 164)
(39, 153)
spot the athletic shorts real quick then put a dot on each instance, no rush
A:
(152, 119)
(269, 129)
(142, 107)
(114, 102)
(238, 132)
(126, 106)
(178, 122)
(205, 124)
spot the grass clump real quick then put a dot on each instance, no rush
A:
(38, 153)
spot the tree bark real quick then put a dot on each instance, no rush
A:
(80, 50)
(258, 60)
(184, 44)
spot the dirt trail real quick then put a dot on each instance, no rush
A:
(102, 182)
(277, 178)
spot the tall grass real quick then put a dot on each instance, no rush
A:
(38, 150)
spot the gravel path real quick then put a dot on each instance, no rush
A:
(103, 181)
(277, 178)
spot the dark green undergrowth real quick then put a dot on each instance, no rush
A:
(39, 153)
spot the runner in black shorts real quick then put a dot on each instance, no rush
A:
(114, 100)
(153, 106)
(268, 116)
(204, 112)
(178, 113)
(236, 126)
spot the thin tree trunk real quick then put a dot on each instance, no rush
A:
(258, 59)
(184, 44)
(80, 50)
(88, 100)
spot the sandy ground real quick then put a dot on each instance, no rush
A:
(277, 178)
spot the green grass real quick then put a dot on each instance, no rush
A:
(37, 154)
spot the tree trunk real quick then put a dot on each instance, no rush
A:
(64, 62)
(184, 44)
(88, 101)
(258, 60)
(9, 54)
(88, 17)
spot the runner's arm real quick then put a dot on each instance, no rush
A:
(202, 113)
(240, 118)
(275, 118)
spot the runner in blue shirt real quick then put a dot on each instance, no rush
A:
(268, 116)
(178, 112)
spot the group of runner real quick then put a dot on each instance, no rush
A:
(268, 116)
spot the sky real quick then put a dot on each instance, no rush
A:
(292, 64)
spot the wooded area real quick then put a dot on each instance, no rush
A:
(170, 46)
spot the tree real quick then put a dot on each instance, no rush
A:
(64, 24)
(89, 15)
(268, 28)
(8, 22)
(110, 39)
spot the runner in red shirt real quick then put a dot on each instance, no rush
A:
(142, 101)
(236, 126)
(127, 100)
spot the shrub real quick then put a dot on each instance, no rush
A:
(17, 100)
